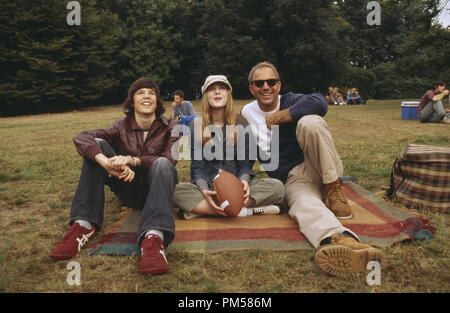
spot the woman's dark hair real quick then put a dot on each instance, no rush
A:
(140, 83)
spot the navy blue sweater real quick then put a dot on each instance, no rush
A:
(290, 153)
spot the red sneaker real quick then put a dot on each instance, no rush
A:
(153, 259)
(73, 241)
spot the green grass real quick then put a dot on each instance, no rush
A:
(41, 169)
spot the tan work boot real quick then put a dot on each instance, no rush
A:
(336, 201)
(345, 255)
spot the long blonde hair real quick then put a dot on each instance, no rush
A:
(230, 118)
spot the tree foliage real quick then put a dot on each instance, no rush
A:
(47, 65)
(149, 40)
(310, 41)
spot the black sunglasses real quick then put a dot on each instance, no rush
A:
(270, 82)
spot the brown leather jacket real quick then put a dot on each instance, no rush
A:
(126, 138)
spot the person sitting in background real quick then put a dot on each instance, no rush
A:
(195, 198)
(329, 96)
(356, 96)
(338, 97)
(334, 97)
(349, 96)
(181, 107)
(353, 96)
(431, 109)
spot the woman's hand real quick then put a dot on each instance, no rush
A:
(208, 194)
(246, 192)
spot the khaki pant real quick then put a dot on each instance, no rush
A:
(264, 191)
(304, 184)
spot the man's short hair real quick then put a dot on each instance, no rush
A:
(179, 93)
(260, 65)
(438, 83)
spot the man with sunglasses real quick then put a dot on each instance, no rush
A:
(309, 166)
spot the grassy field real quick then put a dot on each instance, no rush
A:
(40, 171)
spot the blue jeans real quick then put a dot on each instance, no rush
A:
(151, 191)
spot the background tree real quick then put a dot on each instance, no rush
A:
(188, 21)
(231, 39)
(150, 39)
(47, 65)
(401, 57)
(307, 41)
(311, 42)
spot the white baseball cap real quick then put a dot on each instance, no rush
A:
(211, 79)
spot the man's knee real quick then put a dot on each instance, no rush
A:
(101, 142)
(163, 162)
(162, 165)
(163, 170)
(105, 147)
(310, 124)
(278, 189)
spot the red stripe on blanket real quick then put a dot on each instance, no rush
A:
(284, 234)
(365, 203)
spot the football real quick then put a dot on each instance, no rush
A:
(230, 193)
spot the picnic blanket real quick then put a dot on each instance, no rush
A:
(374, 220)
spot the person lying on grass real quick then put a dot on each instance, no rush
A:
(133, 157)
(196, 198)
